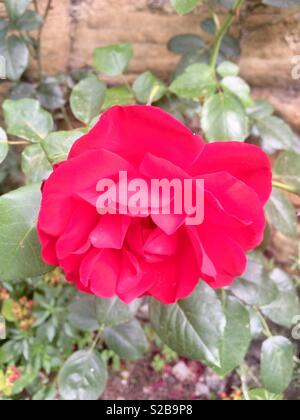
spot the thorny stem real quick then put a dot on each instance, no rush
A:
(285, 187)
(223, 31)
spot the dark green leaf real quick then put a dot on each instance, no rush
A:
(22, 90)
(196, 82)
(20, 254)
(58, 144)
(192, 327)
(230, 46)
(87, 99)
(286, 307)
(83, 377)
(282, 214)
(127, 340)
(26, 119)
(50, 94)
(260, 110)
(199, 56)
(224, 118)
(184, 6)
(35, 164)
(185, 43)
(277, 364)
(16, 55)
(208, 25)
(237, 336)
(113, 60)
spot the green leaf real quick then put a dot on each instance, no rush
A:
(16, 8)
(264, 395)
(208, 25)
(224, 118)
(113, 60)
(192, 327)
(230, 46)
(281, 3)
(286, 307)
(4, 148)
(7, 310)
(237, 336)
(29, 21)
(127, 340)
(147, 88)
(118, 95)
(239, 88)
(20, 254)
(276, 135)
(227, 69)
(26, 119)
(83, 377)
(282, 214)
(196, 82)
(16, 55)
(184, 6)
(193, 57)
(260, 110)
(59, 143)
(35, 164)
(255, 287)
(88, 313)
(256, 325)
(50, 94)
(287, 168)
(87, 99)
(185, 43)
(277, 364)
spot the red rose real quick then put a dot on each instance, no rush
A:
(158, 255)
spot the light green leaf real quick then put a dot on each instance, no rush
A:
(239, 88)
(16, 55)
(20, 253)
(87, 99)
(237, 336)
(227, 69)
(276, 135)
(147, 88)
(35, 164)
(59, 143)
(286, 307)
(260, 110)
(224, 118)
(192, 327)
(287, 168)
(83, 377)
(277, 364)
(264, 395)
(127, 340)
(196, 82)
(26, 119)
(282, 214)
(118, 95)
(113, 60)
(4, 148)
(184, 6)
(16, 8)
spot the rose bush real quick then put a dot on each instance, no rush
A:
(159, 255)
